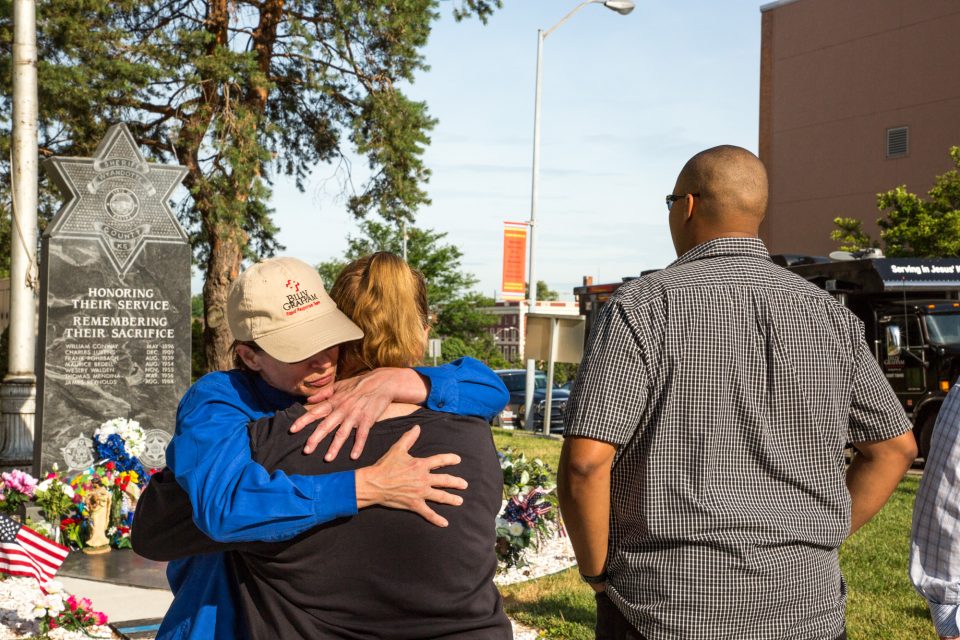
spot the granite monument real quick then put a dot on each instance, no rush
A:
(114, 304)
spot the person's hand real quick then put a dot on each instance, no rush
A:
(400, 481)
(354, 403)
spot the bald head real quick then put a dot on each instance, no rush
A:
(732, 187)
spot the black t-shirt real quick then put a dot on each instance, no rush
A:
(383, 573)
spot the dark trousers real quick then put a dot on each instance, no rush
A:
(612, 625)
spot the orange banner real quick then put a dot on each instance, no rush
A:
(514, 260)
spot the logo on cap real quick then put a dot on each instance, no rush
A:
(293, 284)
(300, 300)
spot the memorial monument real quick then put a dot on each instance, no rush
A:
(114, 304)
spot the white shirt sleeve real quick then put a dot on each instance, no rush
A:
(935, 538)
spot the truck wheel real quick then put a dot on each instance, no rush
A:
(925, 433)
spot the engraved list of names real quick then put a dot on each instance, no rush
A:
(106, 317)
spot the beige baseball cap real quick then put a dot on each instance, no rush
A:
(281, 305)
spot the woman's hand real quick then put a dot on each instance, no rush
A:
(400, 481)
(356, 403)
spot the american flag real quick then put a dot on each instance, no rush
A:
(24, 552)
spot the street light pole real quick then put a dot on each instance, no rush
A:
(623, 7)
(532, 270)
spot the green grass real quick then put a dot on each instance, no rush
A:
(881, 603)
(547, 448)
(560, 605)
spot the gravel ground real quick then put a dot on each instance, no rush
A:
(16, 601)
(555, 554)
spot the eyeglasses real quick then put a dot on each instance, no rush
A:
(672, 198)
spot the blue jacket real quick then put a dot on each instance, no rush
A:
(235, 499)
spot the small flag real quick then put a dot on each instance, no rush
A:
(24, 552)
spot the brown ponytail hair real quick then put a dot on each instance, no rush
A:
(388, 300)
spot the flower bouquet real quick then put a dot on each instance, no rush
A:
(113, 483)
(122, 442)
(530, 508)
(56, 610)
(55, 497)
(17, 489)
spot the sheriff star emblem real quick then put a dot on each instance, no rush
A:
(117, 198)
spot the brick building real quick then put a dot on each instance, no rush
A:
(506, 333)
(856, 98)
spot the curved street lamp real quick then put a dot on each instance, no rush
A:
(623, 7)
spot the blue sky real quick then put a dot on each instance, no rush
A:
(626, 101)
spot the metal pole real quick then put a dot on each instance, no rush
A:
(18, 393)
(532, 271)
(534, 198)
(552, 358)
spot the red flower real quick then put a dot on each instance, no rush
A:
(110, 465)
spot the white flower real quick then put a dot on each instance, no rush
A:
(55, 604)
(129, 431)
(53, 587)
(49, 483)
(515, 529)
(51, 604)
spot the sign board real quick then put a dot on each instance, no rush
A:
(569, 334)
(514, 261)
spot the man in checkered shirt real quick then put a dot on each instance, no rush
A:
(702, 479)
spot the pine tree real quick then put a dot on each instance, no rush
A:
(239, 91)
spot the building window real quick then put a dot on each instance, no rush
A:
(898, 142)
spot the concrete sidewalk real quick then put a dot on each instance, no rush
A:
(131, 590)
(133, 611)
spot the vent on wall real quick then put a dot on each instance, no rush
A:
(898, 142)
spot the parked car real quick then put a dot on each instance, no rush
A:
(513, 414)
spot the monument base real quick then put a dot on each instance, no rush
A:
(95, 551)
(122, 567)
(18, 403)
